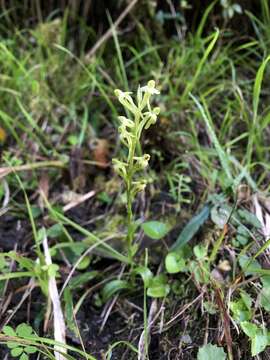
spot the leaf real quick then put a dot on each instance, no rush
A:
(23, 330)
(258, 85)
(191, 228)
(24, 357)
(220, 215)
(241, 312)
(250, 218)
(80, 280)
(155, 229)
(23, 261)
(210, 307)
(246, 299)
(174, 263)
(69, 309)
(264, 298)
(200, 271)
(113, 287)
(158, 287)
(242, 239)
(211, 352)
(237, 8)
(84, 263)
(200, 251)
(12, 345)
(7, 330)
(145, 273)
(249, 329)
(258, 343)
(3, 262)
(55, 231)
(265, 280)
(16, 351)
(250, 266)
(223, 157)
(30, 349)
(52, 270)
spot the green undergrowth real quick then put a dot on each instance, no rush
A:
(181, 227)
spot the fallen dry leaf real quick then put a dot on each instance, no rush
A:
(101, 152)
(3, 135)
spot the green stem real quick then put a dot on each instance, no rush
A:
(130, 172)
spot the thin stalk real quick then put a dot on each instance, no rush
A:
(130, 219)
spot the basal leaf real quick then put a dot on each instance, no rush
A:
(155, 229)
(191, 228)
(211, 352)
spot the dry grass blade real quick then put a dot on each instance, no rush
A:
(142, 345)
(263, 217)
(4, 171)
(78, 200)
(58, 317)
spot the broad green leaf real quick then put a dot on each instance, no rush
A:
(220, 215)
(12, 345)
(158, 287)
(24, 330)
(240, 311)
(243, 240)
(16, 351)
(265, 281)
(248, 265)
(113, 287)
(30, 349)
(246, 299)
(24, 357)
(250, 218)
(191, 228)
(81, 279)
(258, 343)
(7, 330)
(211, 352)
(264, 298)
(84, 263)
(145, 273)
(249, 329)
(55, 231)
(155, 229)
(52, 270)
(200, 251)
(174, 263)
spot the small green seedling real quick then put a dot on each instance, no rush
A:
(211, 352)
(142, 116)
(18, 349)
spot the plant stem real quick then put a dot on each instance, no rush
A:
(130, 220)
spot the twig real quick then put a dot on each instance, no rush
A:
(225, 320)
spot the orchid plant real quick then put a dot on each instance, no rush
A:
(142, 116)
